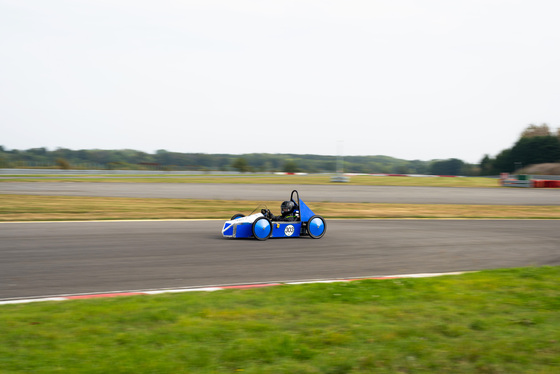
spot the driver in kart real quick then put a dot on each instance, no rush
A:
(288, 209)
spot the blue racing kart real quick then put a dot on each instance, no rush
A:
(297, 220)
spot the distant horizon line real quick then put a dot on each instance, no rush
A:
(6, 149)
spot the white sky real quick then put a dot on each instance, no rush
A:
(413, 79)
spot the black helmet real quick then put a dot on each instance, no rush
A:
(287, 207)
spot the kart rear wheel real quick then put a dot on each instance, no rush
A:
(316, 227)
(236, 216)
(262, 228)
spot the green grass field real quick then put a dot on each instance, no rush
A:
(499, 321)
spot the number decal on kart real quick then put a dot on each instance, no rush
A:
(289, 230)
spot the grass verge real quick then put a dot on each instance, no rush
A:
(49, 208)
(499, 321)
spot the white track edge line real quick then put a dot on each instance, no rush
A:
(218, 288)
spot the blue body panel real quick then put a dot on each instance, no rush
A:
(305, 212)
(279, 230)
(228, 230)
(244, 230)
(286, 229)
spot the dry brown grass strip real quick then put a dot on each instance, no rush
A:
(48, 208)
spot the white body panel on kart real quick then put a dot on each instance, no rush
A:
(240, 227)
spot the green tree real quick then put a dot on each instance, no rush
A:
(402, 169)
(4, 162)
(503, 162)
(418, 167)
(486, 165)
(528, 151)
(62, 163)
(240, 164)
(536, 150)
(290, 166)
(533, 130)
(452, 166)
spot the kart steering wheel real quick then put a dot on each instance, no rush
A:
(266, 212)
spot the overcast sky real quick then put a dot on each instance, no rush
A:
(413, 79)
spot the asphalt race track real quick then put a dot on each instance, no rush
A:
(43, 259)
(259, 192)
(56, 258)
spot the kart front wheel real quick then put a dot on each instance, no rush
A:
(236, 216)
(316, 227)
(262, 228)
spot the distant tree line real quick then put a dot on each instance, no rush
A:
(536, 145)
(63, 158)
